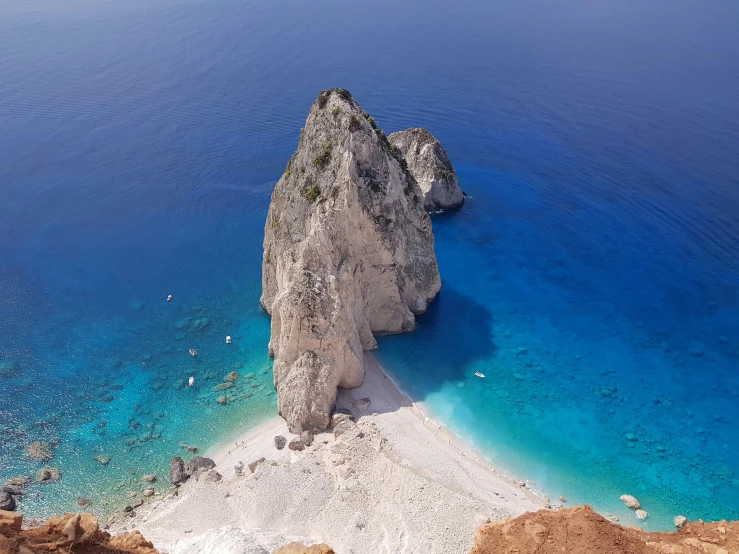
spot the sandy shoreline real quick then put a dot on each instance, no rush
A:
(398, 482)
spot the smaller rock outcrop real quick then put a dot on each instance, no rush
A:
(430, 165)
(680, 521)
(48, 474)
(630, 501)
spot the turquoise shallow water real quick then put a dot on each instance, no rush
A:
(592, 276)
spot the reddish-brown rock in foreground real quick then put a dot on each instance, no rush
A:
(70, 533)
(580, 530)
(298, 548)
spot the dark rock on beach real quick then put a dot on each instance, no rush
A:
(7, 502)
(280, 442)
(177, 473)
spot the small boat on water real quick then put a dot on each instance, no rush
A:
(193, 352)
(480, 375)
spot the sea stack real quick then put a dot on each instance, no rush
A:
(428, 162)
(348, 253)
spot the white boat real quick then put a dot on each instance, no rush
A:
(480, 375)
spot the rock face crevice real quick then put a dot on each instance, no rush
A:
(430, 165)
(348, 253)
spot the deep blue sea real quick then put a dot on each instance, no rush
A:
(592, 275)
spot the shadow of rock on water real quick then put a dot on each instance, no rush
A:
(451, 336)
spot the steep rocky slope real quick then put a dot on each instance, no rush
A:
(348, 253)
(70, 533)
(580, 530)
(430, 165)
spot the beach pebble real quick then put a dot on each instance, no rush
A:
(641, 514)
(680, 521)
(254, 464)
(630, 501)
(280, 442)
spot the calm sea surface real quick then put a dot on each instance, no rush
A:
(592, 276)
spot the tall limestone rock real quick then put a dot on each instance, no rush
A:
(430, 165)
(348, 252)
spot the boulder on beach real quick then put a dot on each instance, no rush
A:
(177, 473)
(296, 444)
(148, 491)
(198, 464)
(362, 403)
(340, 415)
(630, 501)
(255, 463)
(7, 502)
(280, 442)
(209, 476)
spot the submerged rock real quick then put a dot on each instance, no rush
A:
(348, 252)
(430, 165)
(83, 502)
(48, 474)
(102, 459)
(641, 514)
(19, 481)
(39, 451)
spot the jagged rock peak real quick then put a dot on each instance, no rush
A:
(348, 252)
(430, 165)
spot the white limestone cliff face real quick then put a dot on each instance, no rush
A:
(348, 253)
(430, 165)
